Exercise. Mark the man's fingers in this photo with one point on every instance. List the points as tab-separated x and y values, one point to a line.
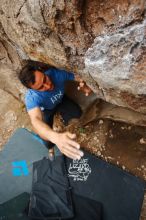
70	135
69	146
72	155
70	140
87	91
81	84
73	144
84	88
73	150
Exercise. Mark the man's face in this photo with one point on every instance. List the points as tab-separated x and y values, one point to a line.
42	82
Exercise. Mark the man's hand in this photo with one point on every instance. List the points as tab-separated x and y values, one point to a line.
65	142
82	86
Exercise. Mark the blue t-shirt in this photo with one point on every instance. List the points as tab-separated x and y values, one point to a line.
48	99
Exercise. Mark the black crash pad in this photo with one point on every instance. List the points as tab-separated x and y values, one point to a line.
14	209
120	193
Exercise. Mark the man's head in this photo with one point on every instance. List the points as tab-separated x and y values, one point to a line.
34	78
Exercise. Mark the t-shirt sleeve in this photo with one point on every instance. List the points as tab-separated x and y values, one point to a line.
63	75
67	75
30	102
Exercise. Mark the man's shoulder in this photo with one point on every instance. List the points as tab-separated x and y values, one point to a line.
32	99
52	71
59	74
30	94
49	70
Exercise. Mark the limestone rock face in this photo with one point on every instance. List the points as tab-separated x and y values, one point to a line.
103	41
12	116
118	63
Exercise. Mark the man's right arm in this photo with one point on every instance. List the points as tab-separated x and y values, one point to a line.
64	141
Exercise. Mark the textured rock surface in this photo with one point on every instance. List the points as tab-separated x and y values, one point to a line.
9	82
102	41
12	116
118	63
12	110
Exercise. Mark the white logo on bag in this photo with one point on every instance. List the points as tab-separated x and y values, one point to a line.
56	97
79	170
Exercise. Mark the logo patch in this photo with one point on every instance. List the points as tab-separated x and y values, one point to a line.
56	97
79	170
19	168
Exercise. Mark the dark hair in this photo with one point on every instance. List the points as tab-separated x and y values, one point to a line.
26	75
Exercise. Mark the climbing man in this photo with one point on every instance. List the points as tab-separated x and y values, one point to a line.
44	97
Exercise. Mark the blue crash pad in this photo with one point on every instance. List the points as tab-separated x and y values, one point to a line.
22	147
